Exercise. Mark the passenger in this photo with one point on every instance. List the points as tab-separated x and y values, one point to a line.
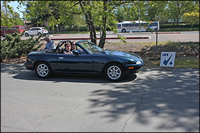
50	44
67	48
73	46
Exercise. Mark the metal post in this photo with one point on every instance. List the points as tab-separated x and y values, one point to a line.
156	37
139	20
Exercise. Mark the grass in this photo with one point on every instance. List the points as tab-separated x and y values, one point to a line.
187	54
187	62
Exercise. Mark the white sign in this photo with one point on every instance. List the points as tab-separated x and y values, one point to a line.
167	59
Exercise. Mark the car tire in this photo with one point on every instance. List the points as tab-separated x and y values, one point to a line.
114	72
123	30
39	34
26	34
43	70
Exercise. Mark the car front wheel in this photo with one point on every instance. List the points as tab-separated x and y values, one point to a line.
114	72
26	34
43	70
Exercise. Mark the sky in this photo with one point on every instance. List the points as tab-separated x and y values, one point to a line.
14	5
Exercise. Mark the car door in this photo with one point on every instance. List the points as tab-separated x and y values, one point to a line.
32	31
75	64
38	30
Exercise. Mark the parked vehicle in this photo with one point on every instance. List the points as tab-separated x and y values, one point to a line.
5	30
129	26
88	59
36	31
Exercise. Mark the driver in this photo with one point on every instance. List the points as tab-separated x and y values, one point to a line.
67	48
50	44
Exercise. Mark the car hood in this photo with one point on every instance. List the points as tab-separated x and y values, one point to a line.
121	53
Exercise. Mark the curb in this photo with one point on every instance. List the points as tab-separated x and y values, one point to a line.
98	38
60	35
168	33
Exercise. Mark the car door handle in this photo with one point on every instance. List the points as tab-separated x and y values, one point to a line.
60	57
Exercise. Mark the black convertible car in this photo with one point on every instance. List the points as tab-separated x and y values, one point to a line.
87	59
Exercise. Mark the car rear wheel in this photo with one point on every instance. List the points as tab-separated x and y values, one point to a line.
114	72
39	34
123	30
43	70
26	34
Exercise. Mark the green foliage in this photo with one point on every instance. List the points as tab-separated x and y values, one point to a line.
9	18
6	15
13	47
192	18
176	9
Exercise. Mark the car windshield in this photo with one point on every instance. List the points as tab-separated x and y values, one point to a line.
91	47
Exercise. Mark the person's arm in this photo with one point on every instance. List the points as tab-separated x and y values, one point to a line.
45	47
53	46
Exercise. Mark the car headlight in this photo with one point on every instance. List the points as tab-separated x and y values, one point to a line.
138	62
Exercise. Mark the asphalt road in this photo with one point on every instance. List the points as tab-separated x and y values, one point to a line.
153	100
164	37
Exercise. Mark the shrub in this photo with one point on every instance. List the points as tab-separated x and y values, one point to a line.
13	47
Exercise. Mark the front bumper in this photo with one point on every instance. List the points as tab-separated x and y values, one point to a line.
133	68
29	65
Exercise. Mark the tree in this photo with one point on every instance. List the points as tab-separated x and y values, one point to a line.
44	12
176	9
100	13
78	21
97	13
16	19
6	15
156	10
191	18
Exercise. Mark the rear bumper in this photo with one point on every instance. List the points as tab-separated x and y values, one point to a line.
29	66
45	33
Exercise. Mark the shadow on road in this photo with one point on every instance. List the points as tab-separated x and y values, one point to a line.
170	96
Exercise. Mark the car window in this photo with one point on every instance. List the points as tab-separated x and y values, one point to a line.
80	50
32	29
91	47
13	28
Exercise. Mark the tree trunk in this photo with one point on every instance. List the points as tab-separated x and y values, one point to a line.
103	36
177	23
191	26
89	22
